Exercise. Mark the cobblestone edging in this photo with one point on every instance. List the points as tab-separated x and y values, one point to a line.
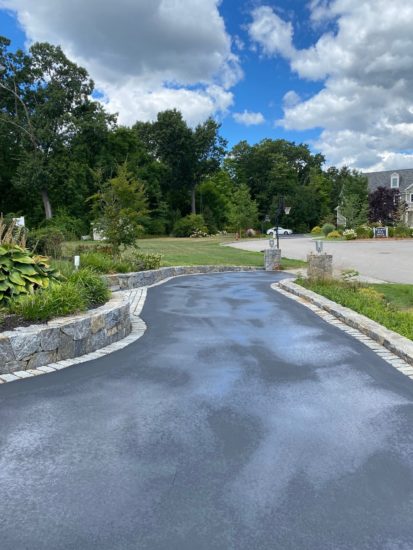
390	346
124	281
64	342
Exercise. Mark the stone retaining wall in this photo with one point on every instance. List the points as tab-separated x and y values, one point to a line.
64	338
125	281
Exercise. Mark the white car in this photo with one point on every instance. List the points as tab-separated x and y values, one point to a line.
281	231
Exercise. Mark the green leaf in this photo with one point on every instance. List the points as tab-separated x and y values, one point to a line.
16	278
25	269
23	259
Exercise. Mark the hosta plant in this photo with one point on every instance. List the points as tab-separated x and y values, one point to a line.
22	273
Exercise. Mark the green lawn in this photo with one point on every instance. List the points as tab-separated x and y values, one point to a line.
391	305
401	296
208	251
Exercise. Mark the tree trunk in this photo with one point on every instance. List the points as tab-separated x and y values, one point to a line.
46	204
193	206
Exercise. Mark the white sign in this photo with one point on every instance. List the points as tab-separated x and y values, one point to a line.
19	221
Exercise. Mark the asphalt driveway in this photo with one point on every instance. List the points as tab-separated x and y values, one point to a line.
239	421
383	259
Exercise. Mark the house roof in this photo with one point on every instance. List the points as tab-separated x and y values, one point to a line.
382	179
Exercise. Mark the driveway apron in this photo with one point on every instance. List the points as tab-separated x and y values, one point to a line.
239	421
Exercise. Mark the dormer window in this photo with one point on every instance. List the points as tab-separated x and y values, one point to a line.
394	181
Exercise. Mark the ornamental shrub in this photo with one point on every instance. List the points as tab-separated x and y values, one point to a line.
55	301
47	241
364	232
402	231
349	234
22	273
92	286
141	261
327	228
334	235
188	225
316	230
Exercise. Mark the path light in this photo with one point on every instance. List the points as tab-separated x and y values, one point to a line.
76	261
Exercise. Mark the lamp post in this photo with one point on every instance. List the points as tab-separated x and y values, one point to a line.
281	209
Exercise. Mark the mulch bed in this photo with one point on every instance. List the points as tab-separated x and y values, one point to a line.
9	322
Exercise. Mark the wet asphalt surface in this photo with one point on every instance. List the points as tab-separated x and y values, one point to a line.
239	421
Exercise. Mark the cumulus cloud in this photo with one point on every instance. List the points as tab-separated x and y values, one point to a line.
144	55
365	108
291	98
248	118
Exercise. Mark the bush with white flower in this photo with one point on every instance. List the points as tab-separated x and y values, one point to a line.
349	234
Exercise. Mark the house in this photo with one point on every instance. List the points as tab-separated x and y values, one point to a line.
395	179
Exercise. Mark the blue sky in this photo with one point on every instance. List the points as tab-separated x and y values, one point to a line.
336	74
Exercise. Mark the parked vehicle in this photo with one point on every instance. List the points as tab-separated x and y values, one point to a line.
281	231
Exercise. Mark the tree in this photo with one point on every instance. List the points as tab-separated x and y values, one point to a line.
45	101
384	205
121	208
354	199
274	168
215	194
243	210
188	155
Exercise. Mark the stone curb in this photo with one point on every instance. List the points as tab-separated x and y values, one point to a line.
99	324
125	281
398	345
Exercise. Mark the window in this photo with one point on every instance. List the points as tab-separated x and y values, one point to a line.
394	181
411	197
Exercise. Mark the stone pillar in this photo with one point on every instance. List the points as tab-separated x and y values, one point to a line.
320	266
272	259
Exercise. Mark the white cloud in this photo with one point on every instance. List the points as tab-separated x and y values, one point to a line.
272	33
248	118
144	55
291	98
365	108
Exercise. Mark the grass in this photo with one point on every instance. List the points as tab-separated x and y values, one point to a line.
207	251
388	304
400	296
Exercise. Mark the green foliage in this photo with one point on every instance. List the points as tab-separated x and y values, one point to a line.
327	228
243	210
141	261
402	231
102	263
93	288
370	304
334	235
22	273
316	230
120	208
56	301
188	225
130	259
349	234
364	232
83	290
71	228
47	241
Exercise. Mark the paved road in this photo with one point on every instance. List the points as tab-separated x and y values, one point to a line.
388	260
240	421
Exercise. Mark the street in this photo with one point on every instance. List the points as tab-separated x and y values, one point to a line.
387	260
239	421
